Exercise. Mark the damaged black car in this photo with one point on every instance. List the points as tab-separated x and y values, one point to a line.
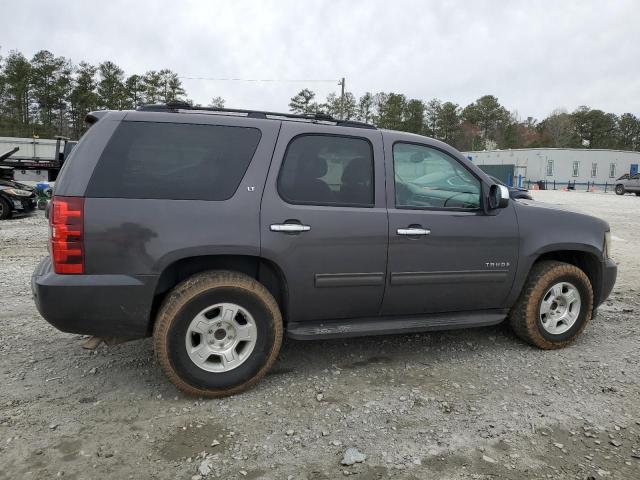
15	198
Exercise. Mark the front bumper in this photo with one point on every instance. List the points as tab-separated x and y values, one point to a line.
23	204
102	305
609	275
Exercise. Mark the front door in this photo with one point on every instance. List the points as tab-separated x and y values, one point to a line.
445	253
324	221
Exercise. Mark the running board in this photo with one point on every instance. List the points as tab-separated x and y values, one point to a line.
360	327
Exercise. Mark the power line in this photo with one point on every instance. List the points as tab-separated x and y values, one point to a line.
269	80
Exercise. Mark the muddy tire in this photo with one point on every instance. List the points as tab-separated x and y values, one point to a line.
217	333
554	306
620	190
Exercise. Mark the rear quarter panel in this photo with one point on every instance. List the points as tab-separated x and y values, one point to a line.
143	236
77	169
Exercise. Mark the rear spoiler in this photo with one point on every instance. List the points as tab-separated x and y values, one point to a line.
93	117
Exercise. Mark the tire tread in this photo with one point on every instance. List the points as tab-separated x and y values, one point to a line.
523	315
187	290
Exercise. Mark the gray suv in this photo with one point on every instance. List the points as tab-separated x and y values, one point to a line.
217	231
628	183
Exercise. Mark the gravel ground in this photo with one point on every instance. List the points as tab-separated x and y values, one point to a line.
460	404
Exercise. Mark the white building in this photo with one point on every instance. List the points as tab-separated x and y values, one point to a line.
562	165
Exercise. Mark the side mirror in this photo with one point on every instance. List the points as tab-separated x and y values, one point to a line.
498	196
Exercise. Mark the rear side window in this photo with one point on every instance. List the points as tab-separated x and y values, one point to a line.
327	170
174	161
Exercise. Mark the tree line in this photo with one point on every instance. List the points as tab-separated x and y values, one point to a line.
483	124
49	95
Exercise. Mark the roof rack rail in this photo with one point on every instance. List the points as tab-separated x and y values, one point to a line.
176	105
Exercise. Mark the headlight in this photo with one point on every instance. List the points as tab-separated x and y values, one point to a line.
607	244
17	192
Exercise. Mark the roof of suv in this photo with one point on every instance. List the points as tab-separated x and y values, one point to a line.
184	107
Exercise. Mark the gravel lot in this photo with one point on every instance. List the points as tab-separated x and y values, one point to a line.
460	404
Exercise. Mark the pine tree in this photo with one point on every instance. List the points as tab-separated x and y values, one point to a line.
83	97
51	84
111	87
303	102
133	91
217	102
171	86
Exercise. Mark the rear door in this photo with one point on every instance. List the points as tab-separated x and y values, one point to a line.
323	220
445	253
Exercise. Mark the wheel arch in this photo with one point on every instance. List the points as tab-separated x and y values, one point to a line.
585	257
265	271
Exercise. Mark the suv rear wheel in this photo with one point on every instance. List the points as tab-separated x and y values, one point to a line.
554	306
217	333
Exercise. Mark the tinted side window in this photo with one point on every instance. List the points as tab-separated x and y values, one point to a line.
327	170
428	178
174	161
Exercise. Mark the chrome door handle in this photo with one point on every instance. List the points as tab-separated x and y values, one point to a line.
412	231
289	227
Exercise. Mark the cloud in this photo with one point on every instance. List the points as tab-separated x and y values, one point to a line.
534	56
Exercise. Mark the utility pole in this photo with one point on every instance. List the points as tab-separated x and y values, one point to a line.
341	83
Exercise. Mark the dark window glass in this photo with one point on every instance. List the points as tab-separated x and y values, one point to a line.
428	178
174	161
327	170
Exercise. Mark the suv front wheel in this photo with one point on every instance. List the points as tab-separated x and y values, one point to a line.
554	306
217	333
620	189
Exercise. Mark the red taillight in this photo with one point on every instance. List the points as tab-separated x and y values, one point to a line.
66	219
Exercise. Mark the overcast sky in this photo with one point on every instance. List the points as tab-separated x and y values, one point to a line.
535	56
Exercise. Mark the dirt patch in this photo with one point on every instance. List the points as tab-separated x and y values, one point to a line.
189	441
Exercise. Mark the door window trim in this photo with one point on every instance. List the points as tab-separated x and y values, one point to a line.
446	209
323	204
